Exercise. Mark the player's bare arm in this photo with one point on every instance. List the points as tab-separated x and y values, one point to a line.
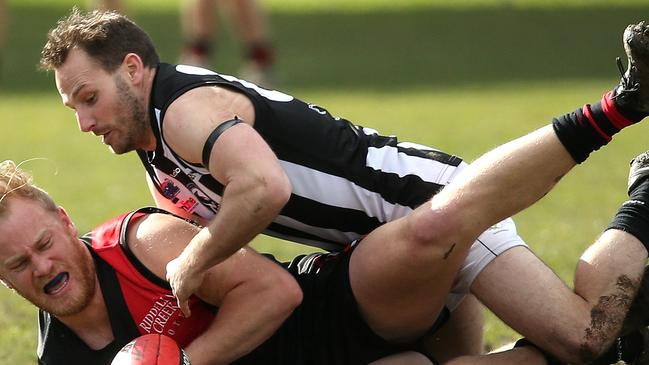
256	187
237	286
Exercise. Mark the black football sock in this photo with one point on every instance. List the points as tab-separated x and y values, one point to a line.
588	128
633	215
201	47
262	54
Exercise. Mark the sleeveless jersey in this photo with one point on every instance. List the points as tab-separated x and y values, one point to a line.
327	328
346	179
138	302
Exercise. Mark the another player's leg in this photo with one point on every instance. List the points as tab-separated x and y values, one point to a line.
576	327
633	217
198	20
461	335
401	272
259	53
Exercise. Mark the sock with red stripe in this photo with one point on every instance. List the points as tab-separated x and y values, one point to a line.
201	47
588	128
262	54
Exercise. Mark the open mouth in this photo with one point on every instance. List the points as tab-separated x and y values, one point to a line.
57	284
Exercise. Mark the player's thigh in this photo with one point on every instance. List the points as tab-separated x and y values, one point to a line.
399	282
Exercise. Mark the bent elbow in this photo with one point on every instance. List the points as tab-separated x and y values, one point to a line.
282	191
277	192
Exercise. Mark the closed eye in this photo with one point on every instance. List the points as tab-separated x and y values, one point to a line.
91	99
44	244
19	266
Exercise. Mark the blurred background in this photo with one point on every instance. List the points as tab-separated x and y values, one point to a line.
460	75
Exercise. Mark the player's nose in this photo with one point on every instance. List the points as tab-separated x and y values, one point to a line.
85	121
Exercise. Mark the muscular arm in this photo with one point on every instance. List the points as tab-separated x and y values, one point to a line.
256	187
254	295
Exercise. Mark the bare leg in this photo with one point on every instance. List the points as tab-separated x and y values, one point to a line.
198	20
419	255
252	25
572	325
506	180
461	335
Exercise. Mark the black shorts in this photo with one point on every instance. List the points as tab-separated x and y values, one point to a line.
327	328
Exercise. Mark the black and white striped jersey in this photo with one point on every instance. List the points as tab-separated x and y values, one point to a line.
347	180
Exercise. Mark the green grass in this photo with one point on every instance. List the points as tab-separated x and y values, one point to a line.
463	76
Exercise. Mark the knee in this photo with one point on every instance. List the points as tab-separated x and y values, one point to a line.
436	230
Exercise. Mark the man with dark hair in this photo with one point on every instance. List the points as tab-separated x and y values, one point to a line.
267	161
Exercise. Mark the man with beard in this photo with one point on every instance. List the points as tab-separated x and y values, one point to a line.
98	292
267	161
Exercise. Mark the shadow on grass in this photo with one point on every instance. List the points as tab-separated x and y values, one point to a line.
379	50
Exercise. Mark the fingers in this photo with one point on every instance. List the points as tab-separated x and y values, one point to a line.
183	284
177	281
184	307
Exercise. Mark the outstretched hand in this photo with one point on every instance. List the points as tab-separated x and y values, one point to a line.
183	281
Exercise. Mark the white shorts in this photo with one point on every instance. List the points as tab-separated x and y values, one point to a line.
491	243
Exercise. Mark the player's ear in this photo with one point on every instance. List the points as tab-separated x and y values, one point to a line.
133	68
65	218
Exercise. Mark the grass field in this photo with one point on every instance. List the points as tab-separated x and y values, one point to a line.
463	76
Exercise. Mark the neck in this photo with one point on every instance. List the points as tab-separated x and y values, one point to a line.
147	88
92	324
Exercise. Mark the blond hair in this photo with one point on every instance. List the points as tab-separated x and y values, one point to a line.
15	182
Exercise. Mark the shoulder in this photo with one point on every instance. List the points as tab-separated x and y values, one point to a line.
191	118
213	103
157	238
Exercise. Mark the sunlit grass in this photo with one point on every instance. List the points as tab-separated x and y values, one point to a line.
422	74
